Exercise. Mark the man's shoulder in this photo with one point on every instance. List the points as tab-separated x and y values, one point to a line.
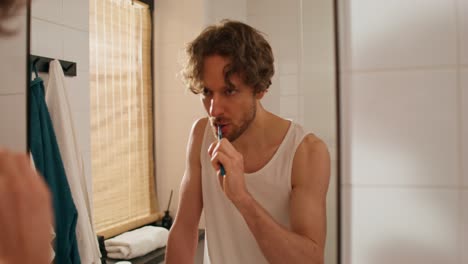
311	144
198	128
196	135
199	134
312	157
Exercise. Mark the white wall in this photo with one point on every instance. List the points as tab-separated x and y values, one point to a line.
13	73
216	10
404	93
60	29
176	22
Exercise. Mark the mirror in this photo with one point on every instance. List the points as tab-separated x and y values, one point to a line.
301	34
13	49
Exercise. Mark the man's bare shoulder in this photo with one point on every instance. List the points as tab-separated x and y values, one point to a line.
313	144
196	138
198	129
311	161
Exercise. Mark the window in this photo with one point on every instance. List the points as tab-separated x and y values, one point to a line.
124	195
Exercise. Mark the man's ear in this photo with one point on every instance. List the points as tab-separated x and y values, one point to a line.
260	95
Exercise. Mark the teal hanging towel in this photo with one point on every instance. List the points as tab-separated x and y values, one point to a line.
47	159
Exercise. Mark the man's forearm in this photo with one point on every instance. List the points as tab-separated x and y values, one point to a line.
278	244
181	246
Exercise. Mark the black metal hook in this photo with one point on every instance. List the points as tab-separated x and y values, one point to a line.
42	65
36	61
69	67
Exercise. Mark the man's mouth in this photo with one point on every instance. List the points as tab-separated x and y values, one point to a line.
224	128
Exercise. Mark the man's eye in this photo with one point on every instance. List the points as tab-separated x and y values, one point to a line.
206	92
231	91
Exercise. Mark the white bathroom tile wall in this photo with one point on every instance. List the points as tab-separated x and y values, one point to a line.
393	113
13	74
301	103
289	45
83	129
169	21
344	32
46	39
464	125
318	44
464	226
333	153
330	245
291	8
267	24
320	104
78	91
50	10
176	23
346	224
404	225
462	9
76	14
289	85
346	120
261	7
404	128
289	106
168	82
227	9
168	63
76	48
400	33
271	100
173	136
13	51
10	82
13	120
193	22
289	63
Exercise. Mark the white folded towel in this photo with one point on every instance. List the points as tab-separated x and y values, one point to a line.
136	243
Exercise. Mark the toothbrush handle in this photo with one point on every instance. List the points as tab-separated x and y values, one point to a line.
220	136
223	172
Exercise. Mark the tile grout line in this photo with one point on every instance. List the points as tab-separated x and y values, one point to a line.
61	24
406	69
406	186
11	94
459	126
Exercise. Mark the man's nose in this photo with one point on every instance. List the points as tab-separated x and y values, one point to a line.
216	106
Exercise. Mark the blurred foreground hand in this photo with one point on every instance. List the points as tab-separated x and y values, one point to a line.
25	212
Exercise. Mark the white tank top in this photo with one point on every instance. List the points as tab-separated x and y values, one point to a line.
227	236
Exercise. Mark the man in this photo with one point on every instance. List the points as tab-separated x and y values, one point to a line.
25	202
270	206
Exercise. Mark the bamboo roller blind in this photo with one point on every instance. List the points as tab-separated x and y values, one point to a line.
121	116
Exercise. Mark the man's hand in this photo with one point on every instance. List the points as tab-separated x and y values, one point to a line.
233	183
25	212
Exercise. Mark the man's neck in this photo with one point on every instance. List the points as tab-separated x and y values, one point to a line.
258	136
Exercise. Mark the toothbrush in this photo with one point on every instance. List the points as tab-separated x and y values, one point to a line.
220	136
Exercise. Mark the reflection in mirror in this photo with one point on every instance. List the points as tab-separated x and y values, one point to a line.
13	47
303	87
91	34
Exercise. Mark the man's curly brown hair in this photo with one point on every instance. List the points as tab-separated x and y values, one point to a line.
249	53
